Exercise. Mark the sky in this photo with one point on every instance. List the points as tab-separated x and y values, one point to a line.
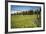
23	8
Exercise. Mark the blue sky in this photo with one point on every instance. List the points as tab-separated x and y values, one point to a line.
24	8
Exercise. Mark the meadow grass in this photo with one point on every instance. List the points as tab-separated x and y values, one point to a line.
23	21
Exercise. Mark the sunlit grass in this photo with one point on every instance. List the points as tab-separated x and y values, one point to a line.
23	21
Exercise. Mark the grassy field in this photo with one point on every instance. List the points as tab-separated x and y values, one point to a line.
23	21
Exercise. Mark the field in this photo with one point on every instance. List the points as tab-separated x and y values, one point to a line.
23	21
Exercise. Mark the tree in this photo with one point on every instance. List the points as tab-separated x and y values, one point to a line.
17	13
23	13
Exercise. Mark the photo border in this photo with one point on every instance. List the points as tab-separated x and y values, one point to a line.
6	16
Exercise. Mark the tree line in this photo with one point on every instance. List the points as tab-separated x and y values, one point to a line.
31	12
